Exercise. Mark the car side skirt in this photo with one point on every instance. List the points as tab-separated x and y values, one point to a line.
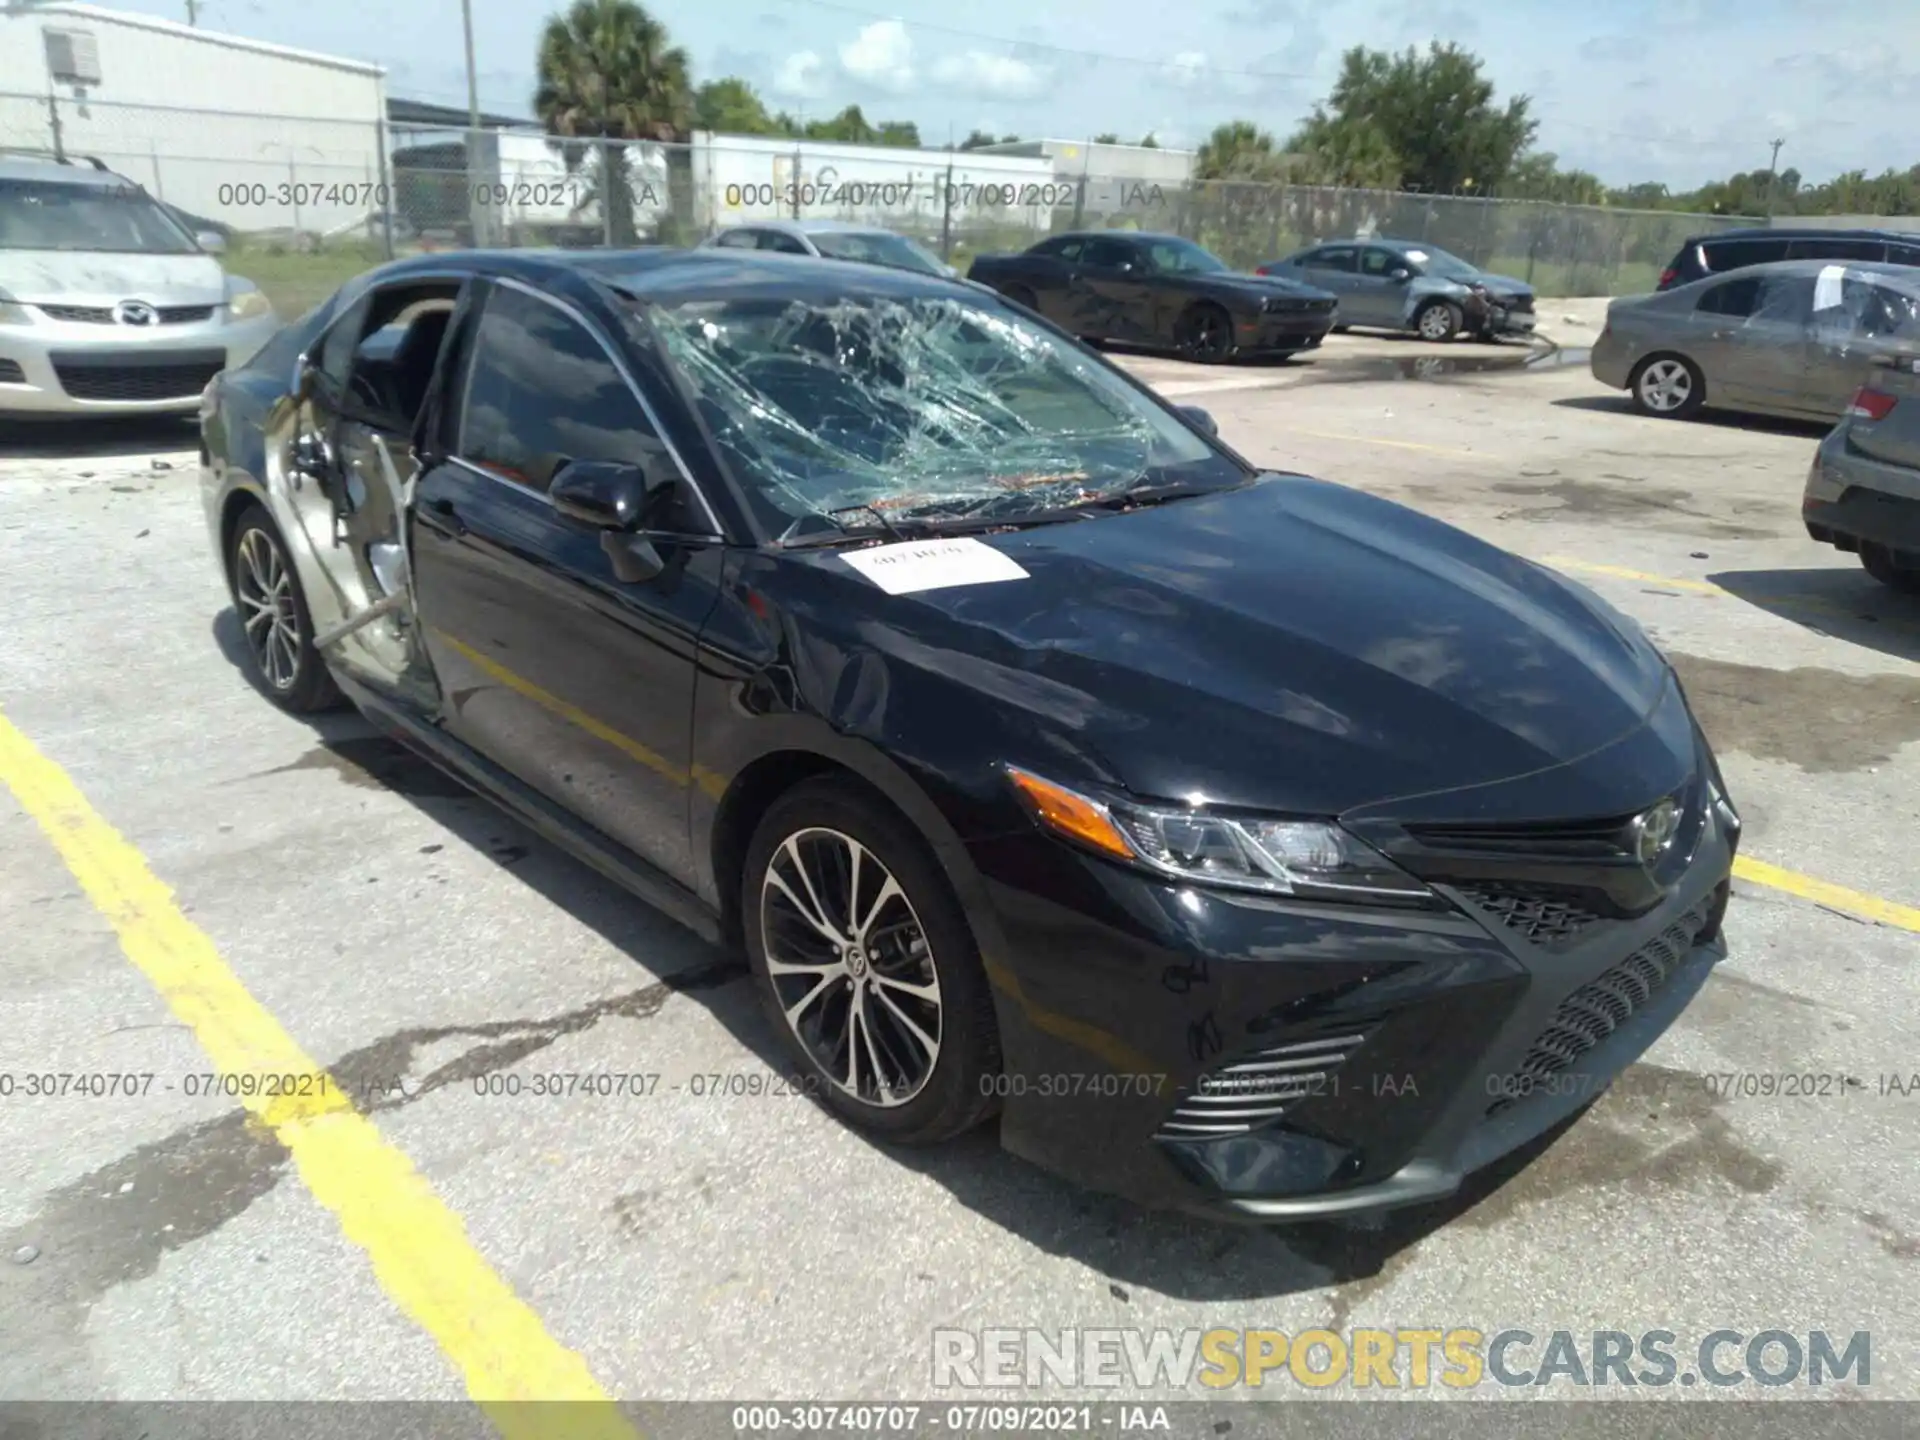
644	881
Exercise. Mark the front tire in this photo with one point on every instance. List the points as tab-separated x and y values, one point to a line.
866	966
1668	386
1438	321
1205	334
274	619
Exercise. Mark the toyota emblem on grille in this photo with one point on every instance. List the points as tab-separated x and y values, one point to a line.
1653	830
136	312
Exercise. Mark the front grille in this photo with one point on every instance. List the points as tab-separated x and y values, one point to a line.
80	314
1257	1090
1535	913
1593	1012
103	315
136	375
11	373
1603	839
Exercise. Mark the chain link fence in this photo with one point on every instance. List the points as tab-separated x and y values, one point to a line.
305	202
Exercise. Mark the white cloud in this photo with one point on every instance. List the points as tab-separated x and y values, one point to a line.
802	77
881	55
1189	67
979	73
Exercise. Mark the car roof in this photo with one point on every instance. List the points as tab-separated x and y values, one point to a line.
1116	235
1802	232
13	167
1811	267
663	272
812	227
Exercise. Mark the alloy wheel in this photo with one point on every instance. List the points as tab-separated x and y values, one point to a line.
1435	323
1209	335
263	584
851	966
1665	386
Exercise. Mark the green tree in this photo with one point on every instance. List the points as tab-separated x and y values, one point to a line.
903	134
1108	138
730	106
978	138
1537	176
607	72
1147	142
1237	150
1434	112
1348	151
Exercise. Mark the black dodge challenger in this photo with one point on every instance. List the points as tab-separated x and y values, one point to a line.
1161	292
1239	842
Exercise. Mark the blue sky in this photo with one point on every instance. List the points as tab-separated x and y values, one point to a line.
1678	91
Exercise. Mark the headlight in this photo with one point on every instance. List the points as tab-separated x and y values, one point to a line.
248	304
12	314
1314	859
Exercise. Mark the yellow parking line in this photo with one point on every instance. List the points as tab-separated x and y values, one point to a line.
1821	892
1620	572
417	1246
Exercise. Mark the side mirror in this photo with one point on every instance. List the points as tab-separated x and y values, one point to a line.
211	241
1399	275
601	493
1200	418
616	499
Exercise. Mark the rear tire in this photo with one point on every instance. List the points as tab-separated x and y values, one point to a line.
1437	321
1668	386
1885	566
886	942
274	621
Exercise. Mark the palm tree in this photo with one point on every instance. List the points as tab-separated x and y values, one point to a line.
607	72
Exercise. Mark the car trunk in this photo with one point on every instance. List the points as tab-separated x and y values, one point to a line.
1883	422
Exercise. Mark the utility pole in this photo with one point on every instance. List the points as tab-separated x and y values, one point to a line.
476	211
1773	175
193	12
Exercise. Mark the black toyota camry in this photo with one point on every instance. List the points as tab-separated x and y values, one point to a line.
1234	840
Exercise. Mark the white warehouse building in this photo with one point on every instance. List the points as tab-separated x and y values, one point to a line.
255	136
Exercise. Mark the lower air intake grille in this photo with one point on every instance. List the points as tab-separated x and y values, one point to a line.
1593	1012
1259	1088
124	375
1541	918
11	373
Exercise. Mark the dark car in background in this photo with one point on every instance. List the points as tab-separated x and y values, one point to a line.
1407	286
1703	255
1160	292
1251	844
1863	492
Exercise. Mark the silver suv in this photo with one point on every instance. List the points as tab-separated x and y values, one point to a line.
108	304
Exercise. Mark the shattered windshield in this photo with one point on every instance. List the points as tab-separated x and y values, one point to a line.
1439	262
919	407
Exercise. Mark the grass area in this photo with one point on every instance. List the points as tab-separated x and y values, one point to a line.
296	282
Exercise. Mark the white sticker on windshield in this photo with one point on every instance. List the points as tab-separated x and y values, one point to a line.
1826	289
933	565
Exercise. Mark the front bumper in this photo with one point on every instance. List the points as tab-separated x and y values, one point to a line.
69	368
1504	321
1280	330
1265	1060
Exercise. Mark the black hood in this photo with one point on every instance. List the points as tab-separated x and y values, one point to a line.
1259	285
1290	645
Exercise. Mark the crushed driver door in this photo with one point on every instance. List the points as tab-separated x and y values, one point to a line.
346	470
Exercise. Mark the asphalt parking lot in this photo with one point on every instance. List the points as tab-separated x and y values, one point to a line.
359	910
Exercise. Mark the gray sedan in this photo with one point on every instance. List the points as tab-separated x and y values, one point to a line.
1403	285
834	239
1796	338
